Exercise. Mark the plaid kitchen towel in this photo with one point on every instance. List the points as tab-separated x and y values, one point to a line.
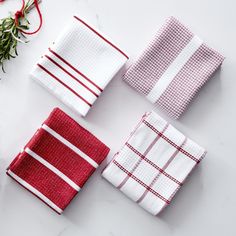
58	160
174	66
79	65
153	163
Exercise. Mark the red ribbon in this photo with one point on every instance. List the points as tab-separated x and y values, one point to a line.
20	14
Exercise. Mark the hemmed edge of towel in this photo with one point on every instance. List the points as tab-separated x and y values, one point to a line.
34	191
58	97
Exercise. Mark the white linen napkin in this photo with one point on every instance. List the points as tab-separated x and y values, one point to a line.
153	163
79	65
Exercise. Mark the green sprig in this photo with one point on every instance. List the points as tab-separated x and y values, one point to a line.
11	33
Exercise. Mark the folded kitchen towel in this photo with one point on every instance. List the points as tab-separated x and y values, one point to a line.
58	160
174	66
79	65
153	163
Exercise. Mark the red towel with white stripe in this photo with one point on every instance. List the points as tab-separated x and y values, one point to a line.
79	65
58	160
174	66
153	163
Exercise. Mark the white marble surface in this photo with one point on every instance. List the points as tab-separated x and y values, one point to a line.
206	205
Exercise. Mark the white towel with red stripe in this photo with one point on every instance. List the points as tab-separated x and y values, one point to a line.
173	67
58	160
79	65
153	163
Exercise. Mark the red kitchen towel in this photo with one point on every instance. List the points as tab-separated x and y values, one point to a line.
153	163
173	68
58	160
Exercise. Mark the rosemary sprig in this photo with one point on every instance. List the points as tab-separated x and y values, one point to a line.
11	33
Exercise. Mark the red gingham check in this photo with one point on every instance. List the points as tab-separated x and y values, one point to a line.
79	65
153	163
172	69
58	160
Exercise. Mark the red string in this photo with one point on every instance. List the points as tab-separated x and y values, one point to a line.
20	14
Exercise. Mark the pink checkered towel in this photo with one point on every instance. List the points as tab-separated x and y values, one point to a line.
174	66
153	163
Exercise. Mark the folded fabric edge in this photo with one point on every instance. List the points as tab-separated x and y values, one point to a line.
83	114
187	104
164	206
130	135
188	28
34	191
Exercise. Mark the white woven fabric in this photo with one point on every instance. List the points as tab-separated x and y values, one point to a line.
79	65
153	163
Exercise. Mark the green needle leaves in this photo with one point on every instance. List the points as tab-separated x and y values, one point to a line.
11	33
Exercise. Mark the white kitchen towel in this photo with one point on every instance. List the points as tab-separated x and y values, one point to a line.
79	65
153	163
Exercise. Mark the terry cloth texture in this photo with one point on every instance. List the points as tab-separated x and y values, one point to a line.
173	68
58	160
79	65
153	163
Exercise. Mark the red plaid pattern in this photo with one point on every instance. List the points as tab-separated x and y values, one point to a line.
153	163
172	69
79	65
58	160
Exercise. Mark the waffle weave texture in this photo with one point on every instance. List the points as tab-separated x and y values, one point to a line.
153	164
58	160
79	65
173	68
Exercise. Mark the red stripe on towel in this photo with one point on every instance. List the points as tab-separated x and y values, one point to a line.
141	182
159	174
72	76
33	193
143	157
119	50
77	135
76	70
172	143
161	170
69	163
65	85
44	180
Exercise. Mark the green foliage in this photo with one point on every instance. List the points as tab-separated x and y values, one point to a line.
11	34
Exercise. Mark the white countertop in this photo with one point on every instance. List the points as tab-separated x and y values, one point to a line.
206	204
